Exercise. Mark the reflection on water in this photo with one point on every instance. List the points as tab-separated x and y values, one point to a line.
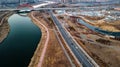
18	48
98	29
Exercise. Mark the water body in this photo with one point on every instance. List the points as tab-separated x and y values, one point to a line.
19	46
96	29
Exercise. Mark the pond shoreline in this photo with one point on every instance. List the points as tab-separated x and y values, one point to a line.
5	28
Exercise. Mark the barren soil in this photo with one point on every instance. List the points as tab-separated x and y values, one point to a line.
4	27
104	55
112	26
54	56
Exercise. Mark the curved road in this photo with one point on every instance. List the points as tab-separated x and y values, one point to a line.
46	43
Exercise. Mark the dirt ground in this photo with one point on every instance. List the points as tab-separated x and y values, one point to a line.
54	56
112	26
37	53
105	55
4	28
110	57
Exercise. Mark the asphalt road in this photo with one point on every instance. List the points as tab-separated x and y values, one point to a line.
82	58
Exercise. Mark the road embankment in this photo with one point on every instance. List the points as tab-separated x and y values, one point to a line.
35	59
54	53
4	26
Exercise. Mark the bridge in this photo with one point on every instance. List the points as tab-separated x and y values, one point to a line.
37	9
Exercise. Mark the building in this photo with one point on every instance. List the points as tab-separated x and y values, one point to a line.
63	1
15	1
87	0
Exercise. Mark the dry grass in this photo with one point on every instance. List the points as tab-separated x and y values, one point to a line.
105	56
4	28
54	56
37	54
112	26
109	26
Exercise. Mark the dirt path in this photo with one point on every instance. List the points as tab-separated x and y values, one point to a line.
46	43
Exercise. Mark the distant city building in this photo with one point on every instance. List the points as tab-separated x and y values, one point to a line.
118	1
63	1
15	1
